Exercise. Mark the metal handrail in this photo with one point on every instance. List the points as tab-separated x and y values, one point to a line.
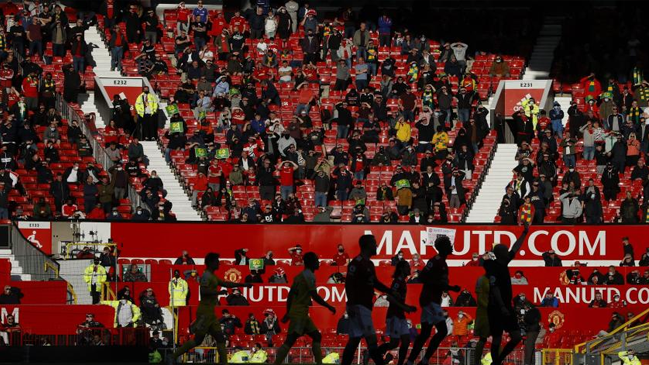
623	328
73	293
32	260
98	151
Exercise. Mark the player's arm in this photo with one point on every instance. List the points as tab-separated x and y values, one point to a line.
399	303
519	242
318	299
231	284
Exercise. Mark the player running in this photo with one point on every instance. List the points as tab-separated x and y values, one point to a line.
206	320
396	323
435	281
297	310
500	309
481	328
359	286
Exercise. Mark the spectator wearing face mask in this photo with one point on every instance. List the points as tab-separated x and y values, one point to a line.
296	255
475	261
127	314
519	278
397	258
465	299
617	303
268	259
461	324
270	325
95	276
236	298
341	258
629	357
184	259
178	290
278	277
550	301
240	257
551	259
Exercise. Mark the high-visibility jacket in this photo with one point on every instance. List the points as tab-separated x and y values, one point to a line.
486	360
151	100
117	304
101	275
332	358
155	357
240	357
259	357
178	290
531	111
628	360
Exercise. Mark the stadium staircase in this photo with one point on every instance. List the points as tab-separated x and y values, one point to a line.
16	270
543	53
101	55
487	203
182	206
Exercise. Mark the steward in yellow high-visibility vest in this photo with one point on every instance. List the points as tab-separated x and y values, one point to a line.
178	290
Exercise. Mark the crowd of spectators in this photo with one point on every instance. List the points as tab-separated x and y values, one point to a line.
279	99
592	172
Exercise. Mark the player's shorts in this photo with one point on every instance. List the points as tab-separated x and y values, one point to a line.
205	324
396	327
301	325
432	314
360	321
499	323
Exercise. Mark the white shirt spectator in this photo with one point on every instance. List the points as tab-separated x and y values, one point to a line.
459	49
287	76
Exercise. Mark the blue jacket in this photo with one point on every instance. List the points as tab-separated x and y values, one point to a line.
385	25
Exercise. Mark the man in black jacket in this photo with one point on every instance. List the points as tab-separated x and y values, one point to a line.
266	180
60	191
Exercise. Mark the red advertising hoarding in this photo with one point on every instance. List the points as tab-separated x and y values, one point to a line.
571	243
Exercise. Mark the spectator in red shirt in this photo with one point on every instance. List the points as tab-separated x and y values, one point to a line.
183	13
69	208
215	175
475	260
591	86
341	258
218	24
286	173
79	49
199	186
35	36
97	213
30	91
296	255
238	22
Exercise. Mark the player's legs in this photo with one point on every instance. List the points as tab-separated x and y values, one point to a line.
283	350
426	329
403	350
441	332
219	337
496	340
515	339
373	349
316	348
389	346
350	350
197	340
479	347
